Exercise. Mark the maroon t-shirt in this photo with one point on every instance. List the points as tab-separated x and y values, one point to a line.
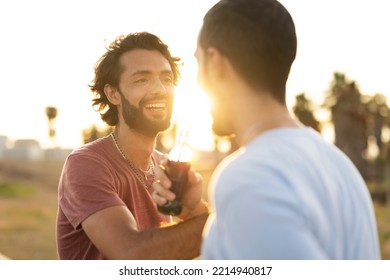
95	177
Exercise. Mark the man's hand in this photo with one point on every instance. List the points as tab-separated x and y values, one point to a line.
191	199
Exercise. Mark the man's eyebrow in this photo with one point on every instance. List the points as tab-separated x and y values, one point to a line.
148	72
140	72
167	72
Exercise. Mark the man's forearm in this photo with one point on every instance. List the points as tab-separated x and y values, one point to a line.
179	241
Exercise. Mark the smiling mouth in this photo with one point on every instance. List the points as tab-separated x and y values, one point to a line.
156	106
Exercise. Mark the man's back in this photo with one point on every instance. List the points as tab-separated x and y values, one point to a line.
291	195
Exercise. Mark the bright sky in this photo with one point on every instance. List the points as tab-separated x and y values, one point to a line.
48	50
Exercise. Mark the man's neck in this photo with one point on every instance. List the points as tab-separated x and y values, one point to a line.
260	115
258	111
136	146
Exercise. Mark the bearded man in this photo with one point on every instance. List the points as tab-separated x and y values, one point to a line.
105	208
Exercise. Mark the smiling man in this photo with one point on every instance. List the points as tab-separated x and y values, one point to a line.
105	208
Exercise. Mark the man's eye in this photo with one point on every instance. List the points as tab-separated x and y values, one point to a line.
142	80
168	80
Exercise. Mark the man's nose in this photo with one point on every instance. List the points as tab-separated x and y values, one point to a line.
158	87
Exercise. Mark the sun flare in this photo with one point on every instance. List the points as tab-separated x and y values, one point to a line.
192	113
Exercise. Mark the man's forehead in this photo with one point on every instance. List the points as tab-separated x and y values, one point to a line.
145	60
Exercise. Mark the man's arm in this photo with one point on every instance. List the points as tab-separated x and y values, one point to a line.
114	232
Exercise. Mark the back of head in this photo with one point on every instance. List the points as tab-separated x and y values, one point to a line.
258	37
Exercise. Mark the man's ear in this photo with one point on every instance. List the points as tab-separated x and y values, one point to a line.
216	63
112	94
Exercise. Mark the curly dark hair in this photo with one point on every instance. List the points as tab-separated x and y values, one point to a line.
108	69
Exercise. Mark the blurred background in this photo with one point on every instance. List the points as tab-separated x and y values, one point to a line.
339	85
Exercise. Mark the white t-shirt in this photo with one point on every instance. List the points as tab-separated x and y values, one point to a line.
290	195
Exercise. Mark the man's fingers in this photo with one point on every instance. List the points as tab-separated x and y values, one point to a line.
194	178
162	192
161	177
158	199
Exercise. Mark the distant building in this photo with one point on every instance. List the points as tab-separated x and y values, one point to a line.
57	153
3	145
26	149
29	149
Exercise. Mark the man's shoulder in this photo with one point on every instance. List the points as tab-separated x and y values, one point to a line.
94	147
92	158
96	150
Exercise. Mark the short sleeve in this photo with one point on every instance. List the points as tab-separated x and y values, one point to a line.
86	186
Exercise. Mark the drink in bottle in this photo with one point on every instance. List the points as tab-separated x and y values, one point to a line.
177	170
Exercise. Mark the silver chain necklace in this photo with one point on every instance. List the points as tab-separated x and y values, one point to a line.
140	174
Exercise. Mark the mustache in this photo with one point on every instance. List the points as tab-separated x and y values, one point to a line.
155	98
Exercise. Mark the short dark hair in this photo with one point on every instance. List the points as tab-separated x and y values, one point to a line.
108	69
258	37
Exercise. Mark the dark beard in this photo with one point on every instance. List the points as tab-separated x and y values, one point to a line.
136	120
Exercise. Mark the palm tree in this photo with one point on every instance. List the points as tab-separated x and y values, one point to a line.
303	110
51	113
380	114
350	119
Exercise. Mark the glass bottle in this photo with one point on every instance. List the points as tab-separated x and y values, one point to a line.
179	162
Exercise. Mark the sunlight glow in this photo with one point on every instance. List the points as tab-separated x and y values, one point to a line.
59	60
192	113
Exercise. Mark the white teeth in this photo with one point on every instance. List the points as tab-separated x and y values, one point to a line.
156	106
